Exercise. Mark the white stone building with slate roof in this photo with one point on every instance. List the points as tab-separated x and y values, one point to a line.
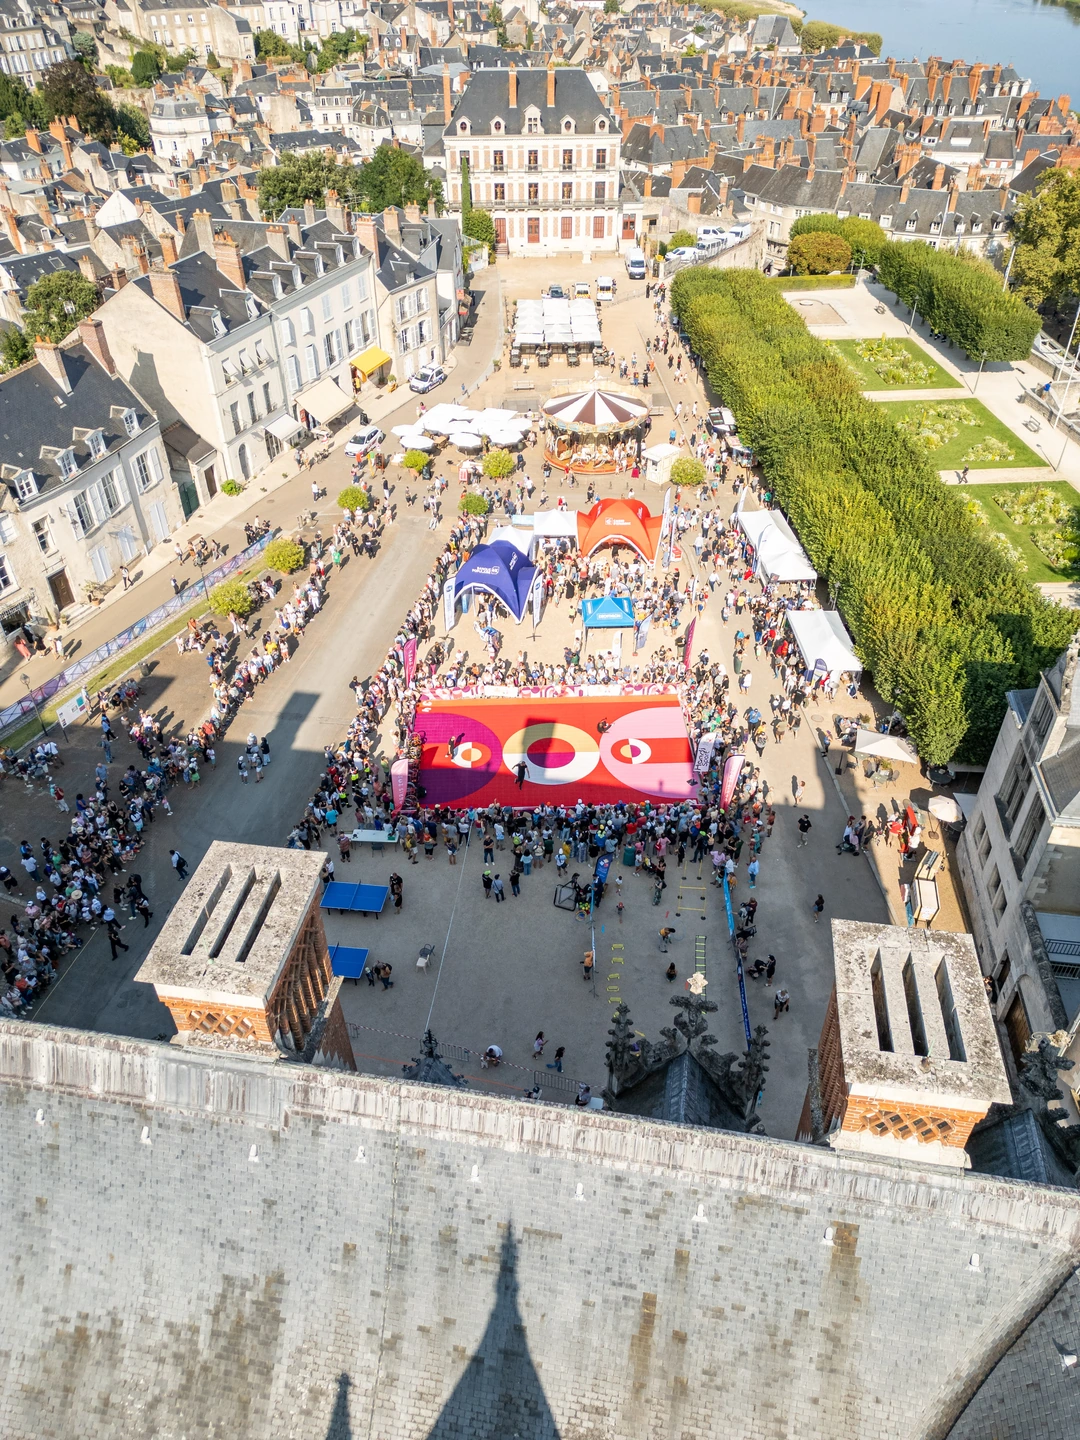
544	154
85	478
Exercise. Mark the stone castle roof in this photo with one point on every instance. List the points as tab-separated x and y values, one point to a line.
238	1248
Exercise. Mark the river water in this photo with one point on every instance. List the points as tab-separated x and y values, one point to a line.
1039	40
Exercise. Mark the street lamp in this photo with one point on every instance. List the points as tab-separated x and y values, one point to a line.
30	691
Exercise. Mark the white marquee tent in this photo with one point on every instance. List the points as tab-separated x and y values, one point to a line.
778	556
820	635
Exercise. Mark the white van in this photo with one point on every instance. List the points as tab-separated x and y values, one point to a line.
708	246
635	264
605	288
708	233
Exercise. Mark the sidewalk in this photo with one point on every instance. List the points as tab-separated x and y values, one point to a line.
278	494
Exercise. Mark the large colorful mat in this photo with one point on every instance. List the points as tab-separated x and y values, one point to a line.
639	752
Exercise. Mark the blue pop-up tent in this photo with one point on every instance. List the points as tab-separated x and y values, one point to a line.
609	612
503	571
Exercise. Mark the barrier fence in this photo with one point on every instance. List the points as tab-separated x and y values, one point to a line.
79	669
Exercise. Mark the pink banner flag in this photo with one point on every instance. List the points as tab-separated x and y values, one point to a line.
732	770
399	781
688	648
408	657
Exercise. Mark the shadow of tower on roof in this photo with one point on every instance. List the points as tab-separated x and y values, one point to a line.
499	1397
340	1427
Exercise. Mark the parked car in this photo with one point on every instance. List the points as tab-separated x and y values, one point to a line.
426	378
582	290
364	441
720	421
683	252
556	292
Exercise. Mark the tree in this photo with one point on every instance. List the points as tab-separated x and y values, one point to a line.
339	45
133	125
353	497
269	45
611	7
687	471
85	47
498	464
473	504
67	89
56	303
811	224
284	555
415	460
866	238
231	595
819	35
145	67
479	225
20	108
15	348
394	177
1047	230
682	238
818	253
297	178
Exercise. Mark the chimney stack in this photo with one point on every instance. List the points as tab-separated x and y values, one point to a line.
204	231
309	212
512	83
165	288
392	224
550	86
367	232
447	102
86	268
228	260
278	241
7	217
33	139
185	187
92	334
51	359
908	1062
168	250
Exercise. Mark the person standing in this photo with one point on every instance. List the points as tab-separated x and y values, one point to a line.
497	889
805	827
397	890
242	768
556	1064
770	969
781	1003
115	943
179	864
142	907
752	871
538	1044
800	786
487	882
817	908
345	848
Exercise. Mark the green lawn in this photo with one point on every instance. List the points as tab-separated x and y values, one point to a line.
873	379
1035	563
950	440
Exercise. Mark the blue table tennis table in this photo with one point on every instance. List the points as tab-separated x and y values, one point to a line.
348	962
341	895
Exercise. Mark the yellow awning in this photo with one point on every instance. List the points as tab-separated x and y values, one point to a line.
370	360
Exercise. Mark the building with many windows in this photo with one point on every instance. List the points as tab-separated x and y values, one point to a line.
28	46
1020	864
85	477
541	153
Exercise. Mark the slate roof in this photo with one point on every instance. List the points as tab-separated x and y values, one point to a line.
488	96
36	413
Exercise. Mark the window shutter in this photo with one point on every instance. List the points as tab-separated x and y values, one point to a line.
155	465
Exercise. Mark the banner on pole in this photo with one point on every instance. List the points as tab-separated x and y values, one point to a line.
688	648
641	633
399	781
537	599
705	750
448	605
732	770
408	659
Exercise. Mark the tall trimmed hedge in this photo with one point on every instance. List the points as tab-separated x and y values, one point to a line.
945	622
962	298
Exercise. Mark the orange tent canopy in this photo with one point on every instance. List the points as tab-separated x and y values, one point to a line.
620	522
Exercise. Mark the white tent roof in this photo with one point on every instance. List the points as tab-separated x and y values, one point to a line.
555	522
779	556
820	635
520	539
888	747
444	417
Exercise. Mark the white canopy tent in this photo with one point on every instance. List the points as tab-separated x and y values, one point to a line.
820	635
777	553
444	417
552	524
521	539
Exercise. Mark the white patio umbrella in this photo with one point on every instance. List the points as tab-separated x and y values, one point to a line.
404	430
465	440
417	440
945	808
505	437
885	747
442	418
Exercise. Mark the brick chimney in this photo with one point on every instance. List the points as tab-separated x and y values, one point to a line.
51	359
92	334
550	86
168	250
511	81
908	1062
86	268
135	258
33	139
228	260
185	187
11	229
447	99
335	211
412	213
367	232
165	288
938	181
391	219
740	128
278	242
905	194
954	190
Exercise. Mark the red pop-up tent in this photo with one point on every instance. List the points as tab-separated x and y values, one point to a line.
620	522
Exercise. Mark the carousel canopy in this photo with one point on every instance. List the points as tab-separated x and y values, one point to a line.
620	522
503	571
595	410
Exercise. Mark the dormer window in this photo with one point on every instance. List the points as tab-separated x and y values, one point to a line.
568	127
463	127
218	323
26	486
496	127
601	125
96	441
131	422
911	224
67	464
532	124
